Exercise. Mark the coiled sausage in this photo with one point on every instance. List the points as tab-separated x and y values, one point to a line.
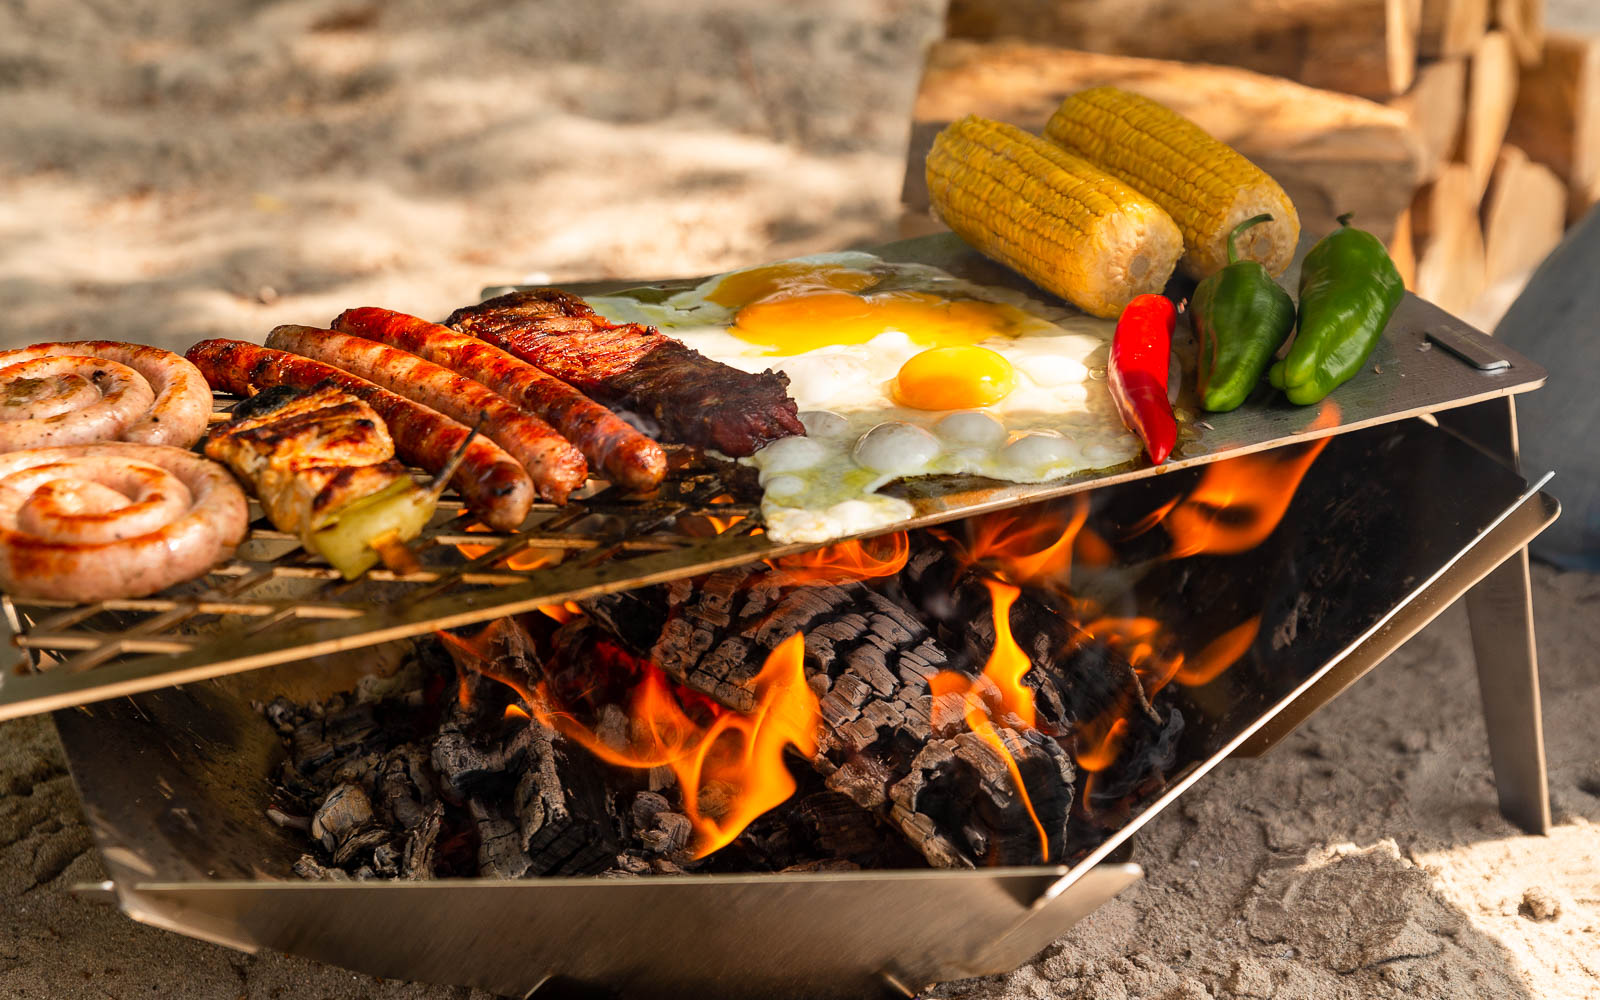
99	521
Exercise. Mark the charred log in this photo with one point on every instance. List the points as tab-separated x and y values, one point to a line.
869	659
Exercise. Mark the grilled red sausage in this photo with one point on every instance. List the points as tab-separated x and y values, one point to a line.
612	444
492	483
556	467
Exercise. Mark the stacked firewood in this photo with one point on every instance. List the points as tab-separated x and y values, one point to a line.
1460	131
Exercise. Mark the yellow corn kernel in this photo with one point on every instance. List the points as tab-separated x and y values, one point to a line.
1204	184
1069	227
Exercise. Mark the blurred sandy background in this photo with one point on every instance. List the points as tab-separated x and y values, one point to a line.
171	171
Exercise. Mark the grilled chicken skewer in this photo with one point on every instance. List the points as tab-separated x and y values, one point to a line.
493	484
322	464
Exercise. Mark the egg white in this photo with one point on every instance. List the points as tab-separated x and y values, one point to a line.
1059	418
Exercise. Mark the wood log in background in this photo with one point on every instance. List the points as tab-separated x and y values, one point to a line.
1523	216
1434	106
1450	256
1491	94
1366	47
1557	116
1523	23
1451	27
1332	153
1403	250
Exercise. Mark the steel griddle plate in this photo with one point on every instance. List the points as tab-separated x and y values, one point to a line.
273	605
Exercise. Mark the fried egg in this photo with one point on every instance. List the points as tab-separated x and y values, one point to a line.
899	370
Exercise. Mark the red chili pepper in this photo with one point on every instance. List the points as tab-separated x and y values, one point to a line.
1141	351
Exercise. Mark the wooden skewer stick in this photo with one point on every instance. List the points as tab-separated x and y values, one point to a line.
437	487
396	555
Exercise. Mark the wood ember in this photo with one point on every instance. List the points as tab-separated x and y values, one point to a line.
869	657
458	783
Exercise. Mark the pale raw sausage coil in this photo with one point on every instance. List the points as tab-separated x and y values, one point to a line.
79	392
101	521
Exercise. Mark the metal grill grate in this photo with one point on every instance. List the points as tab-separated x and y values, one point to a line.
704	513
273	603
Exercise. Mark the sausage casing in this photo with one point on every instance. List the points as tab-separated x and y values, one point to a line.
491	482
68	532
556	467
612	444
182	401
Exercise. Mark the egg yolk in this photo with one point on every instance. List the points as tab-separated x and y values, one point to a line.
792	308
953	378
788	277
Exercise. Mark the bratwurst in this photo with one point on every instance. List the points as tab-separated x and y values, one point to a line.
79	391
611	443
556	467
493	485
100	521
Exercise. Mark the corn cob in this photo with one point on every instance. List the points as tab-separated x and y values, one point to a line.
1204	184
1071	228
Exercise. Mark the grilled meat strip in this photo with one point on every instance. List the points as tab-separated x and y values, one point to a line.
556	467
307	453
492	483
630	367
315	458
611	443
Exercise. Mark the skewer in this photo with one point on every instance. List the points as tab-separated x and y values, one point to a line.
437	487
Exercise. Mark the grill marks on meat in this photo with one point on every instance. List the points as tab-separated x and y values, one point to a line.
556	467
692	398
491	482
628	457
308	454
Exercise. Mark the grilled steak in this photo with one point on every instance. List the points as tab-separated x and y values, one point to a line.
693	399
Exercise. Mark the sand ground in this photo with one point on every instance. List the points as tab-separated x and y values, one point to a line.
171	171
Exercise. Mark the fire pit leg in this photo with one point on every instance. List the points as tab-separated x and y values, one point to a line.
1500	609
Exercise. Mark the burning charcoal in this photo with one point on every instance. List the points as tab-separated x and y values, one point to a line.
317	742
467	768
872	659
564	823
644	809
960	801
824	865
402	786
500	853
357	843
307	867
838	826
417	860
345	810
284	715
669	835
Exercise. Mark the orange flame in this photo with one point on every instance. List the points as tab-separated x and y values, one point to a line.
562	613
738	755
998	693
884	555
1220	654
1029	549
524	559
1238	502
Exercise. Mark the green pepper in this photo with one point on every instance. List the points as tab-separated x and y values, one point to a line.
1348	290
1241	317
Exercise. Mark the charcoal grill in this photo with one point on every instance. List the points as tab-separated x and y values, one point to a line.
187	847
